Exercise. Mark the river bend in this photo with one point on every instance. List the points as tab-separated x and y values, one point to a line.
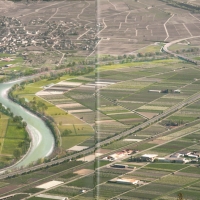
43	142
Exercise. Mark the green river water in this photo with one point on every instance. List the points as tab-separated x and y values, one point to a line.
43	142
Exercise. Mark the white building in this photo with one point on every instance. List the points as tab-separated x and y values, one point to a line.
128	181
149	157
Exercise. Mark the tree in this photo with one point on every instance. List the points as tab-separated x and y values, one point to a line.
140	55
24	124
180	196
17	119
17	153
60	123
41	106
66	132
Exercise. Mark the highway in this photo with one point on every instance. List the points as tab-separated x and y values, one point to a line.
90	150
171	110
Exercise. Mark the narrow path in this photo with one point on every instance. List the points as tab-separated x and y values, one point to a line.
2	143
162	176
139	153
57	9
39	9
83	34
194	16
78	16
105	26
112	5
166	27
126	18
187	29
112	198
166	46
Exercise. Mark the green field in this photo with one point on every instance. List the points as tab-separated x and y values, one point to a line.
11	138
80	131
165	166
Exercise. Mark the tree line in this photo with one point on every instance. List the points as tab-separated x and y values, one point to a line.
186	6
21	124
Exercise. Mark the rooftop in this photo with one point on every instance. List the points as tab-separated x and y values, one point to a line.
149	155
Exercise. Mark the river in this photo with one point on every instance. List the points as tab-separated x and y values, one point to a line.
42	140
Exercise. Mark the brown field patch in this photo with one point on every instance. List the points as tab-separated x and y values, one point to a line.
148	114
103	151
83	172
8	188
157	141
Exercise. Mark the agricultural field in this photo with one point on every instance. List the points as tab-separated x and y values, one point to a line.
135	85
69	100
10	140
131	26
150	175
123	104
149	91
73	127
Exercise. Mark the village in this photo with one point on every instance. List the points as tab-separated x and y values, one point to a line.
55	35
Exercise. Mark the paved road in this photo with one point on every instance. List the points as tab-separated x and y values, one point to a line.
165	48
107	141
169	111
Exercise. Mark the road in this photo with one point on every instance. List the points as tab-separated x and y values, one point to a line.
39	9
166	27
165	48
169	111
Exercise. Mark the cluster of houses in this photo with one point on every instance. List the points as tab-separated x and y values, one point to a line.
178	157
118	155
166	91
16	35
6	59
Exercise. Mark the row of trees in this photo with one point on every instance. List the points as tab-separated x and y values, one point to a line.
130	57
141	59
52	75
186	6
35	106
21	124
193	50
173	122
17	119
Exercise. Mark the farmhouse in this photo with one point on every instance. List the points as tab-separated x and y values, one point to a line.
181	157
189	154
192	156
161	159
118	155
178	160
125	181
149	157
159	91
177	91
185	153
176	155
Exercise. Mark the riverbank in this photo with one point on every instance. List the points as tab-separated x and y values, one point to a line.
69	128
41	136
14	138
